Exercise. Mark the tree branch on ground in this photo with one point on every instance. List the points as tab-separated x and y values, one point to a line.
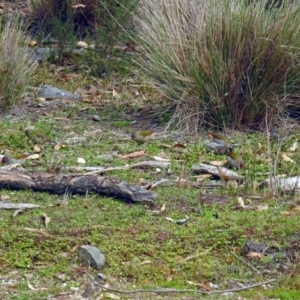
75	184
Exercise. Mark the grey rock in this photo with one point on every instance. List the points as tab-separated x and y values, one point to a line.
96	118
52	103
215	147
100	277
219	142
254	247
278	138
91	256
182	221
50	92
228	294
39	54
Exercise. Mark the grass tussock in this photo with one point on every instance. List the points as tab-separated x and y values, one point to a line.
222	63
15	67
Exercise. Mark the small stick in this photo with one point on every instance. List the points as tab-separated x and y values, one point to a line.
244	287
150	164
167	290
246	263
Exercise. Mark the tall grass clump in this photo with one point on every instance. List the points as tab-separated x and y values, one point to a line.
222	63
16	69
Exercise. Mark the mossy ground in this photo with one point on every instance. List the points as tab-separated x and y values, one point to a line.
143	249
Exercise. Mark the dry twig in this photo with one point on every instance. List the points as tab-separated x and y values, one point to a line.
169	290
246	263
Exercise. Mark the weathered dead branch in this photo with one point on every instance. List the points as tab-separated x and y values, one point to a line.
74	184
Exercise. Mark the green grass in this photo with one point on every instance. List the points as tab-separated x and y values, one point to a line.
142	249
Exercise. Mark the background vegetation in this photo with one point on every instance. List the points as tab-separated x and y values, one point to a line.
16	69
222	63
103	24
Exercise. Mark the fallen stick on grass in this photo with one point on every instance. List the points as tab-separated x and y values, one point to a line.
171	290
142	164
75	184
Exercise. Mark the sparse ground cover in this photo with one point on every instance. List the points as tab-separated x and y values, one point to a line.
217	249
144	249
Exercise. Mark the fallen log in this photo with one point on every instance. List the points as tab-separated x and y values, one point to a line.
75	184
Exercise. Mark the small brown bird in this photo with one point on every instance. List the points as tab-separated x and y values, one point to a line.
142	136
219	138
234	160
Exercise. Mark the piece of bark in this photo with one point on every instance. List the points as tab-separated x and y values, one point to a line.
142	164
283	184
75	184
13	205
222	172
